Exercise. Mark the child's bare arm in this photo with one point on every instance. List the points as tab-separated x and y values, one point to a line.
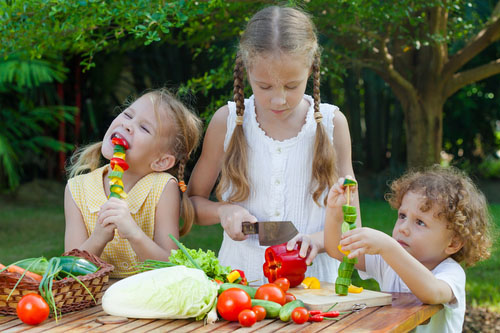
416	276
334	219
203	179
166	222
342	142
76	235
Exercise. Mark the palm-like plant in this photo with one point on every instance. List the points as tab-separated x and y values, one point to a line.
25	113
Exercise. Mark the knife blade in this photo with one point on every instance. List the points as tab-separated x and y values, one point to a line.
270	232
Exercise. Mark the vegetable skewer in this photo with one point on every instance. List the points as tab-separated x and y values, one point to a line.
118	166
346	267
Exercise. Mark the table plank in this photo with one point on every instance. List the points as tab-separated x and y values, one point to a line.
405	313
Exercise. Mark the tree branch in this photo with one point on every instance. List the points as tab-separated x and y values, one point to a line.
478	43
393	74
464	78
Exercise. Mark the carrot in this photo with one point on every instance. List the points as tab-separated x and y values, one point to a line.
19	270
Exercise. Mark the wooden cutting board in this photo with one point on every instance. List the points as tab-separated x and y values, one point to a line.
322	299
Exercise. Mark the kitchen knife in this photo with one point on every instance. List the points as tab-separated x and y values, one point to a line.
270	232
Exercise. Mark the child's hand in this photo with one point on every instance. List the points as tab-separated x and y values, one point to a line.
308	249
116	212
336	196
231	217
103	234
363	241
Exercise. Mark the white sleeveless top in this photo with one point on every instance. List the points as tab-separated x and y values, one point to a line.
280	190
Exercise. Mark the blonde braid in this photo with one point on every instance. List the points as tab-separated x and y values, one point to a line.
234	168
324	171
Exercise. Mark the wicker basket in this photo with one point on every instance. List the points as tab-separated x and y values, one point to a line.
69	295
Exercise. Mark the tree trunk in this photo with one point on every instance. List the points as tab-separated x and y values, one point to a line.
424	131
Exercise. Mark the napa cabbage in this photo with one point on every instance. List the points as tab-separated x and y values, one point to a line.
166	293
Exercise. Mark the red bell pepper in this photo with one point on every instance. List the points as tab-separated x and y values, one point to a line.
120	162
120	141
282	263
243	280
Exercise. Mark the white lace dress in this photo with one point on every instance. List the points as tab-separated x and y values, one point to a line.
280	176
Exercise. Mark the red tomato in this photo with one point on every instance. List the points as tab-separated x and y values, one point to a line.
32	309
271	292
283	283
247	318
289	297
231	302
300	315
260	312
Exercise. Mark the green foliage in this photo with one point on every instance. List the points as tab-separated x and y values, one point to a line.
40	28
21	74
490	167
24	123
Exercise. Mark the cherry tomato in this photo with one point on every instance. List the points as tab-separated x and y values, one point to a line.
289	297
231	302
300	315
271	292
283	283
260	312
247	318
32	309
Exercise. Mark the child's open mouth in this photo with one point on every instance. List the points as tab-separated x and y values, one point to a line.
118	139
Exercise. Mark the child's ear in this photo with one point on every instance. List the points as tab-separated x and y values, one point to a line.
163	163
455	245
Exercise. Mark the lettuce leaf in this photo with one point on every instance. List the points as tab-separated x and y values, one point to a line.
208	262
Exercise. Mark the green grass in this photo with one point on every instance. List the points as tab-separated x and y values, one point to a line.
32	225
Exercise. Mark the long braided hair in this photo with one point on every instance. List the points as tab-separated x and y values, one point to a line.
291	31
182	141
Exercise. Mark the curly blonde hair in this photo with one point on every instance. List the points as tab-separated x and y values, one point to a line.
458	200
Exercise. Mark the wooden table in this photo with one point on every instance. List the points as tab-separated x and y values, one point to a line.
405	313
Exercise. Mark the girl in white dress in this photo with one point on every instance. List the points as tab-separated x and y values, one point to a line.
277	152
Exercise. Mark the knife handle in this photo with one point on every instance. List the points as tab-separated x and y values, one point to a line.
248	228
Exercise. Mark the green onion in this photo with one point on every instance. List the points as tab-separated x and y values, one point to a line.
184	250
150	264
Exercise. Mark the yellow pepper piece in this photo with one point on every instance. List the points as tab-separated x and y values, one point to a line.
355	290
119	155
311	282
116	181
344	252
233	276
118	168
